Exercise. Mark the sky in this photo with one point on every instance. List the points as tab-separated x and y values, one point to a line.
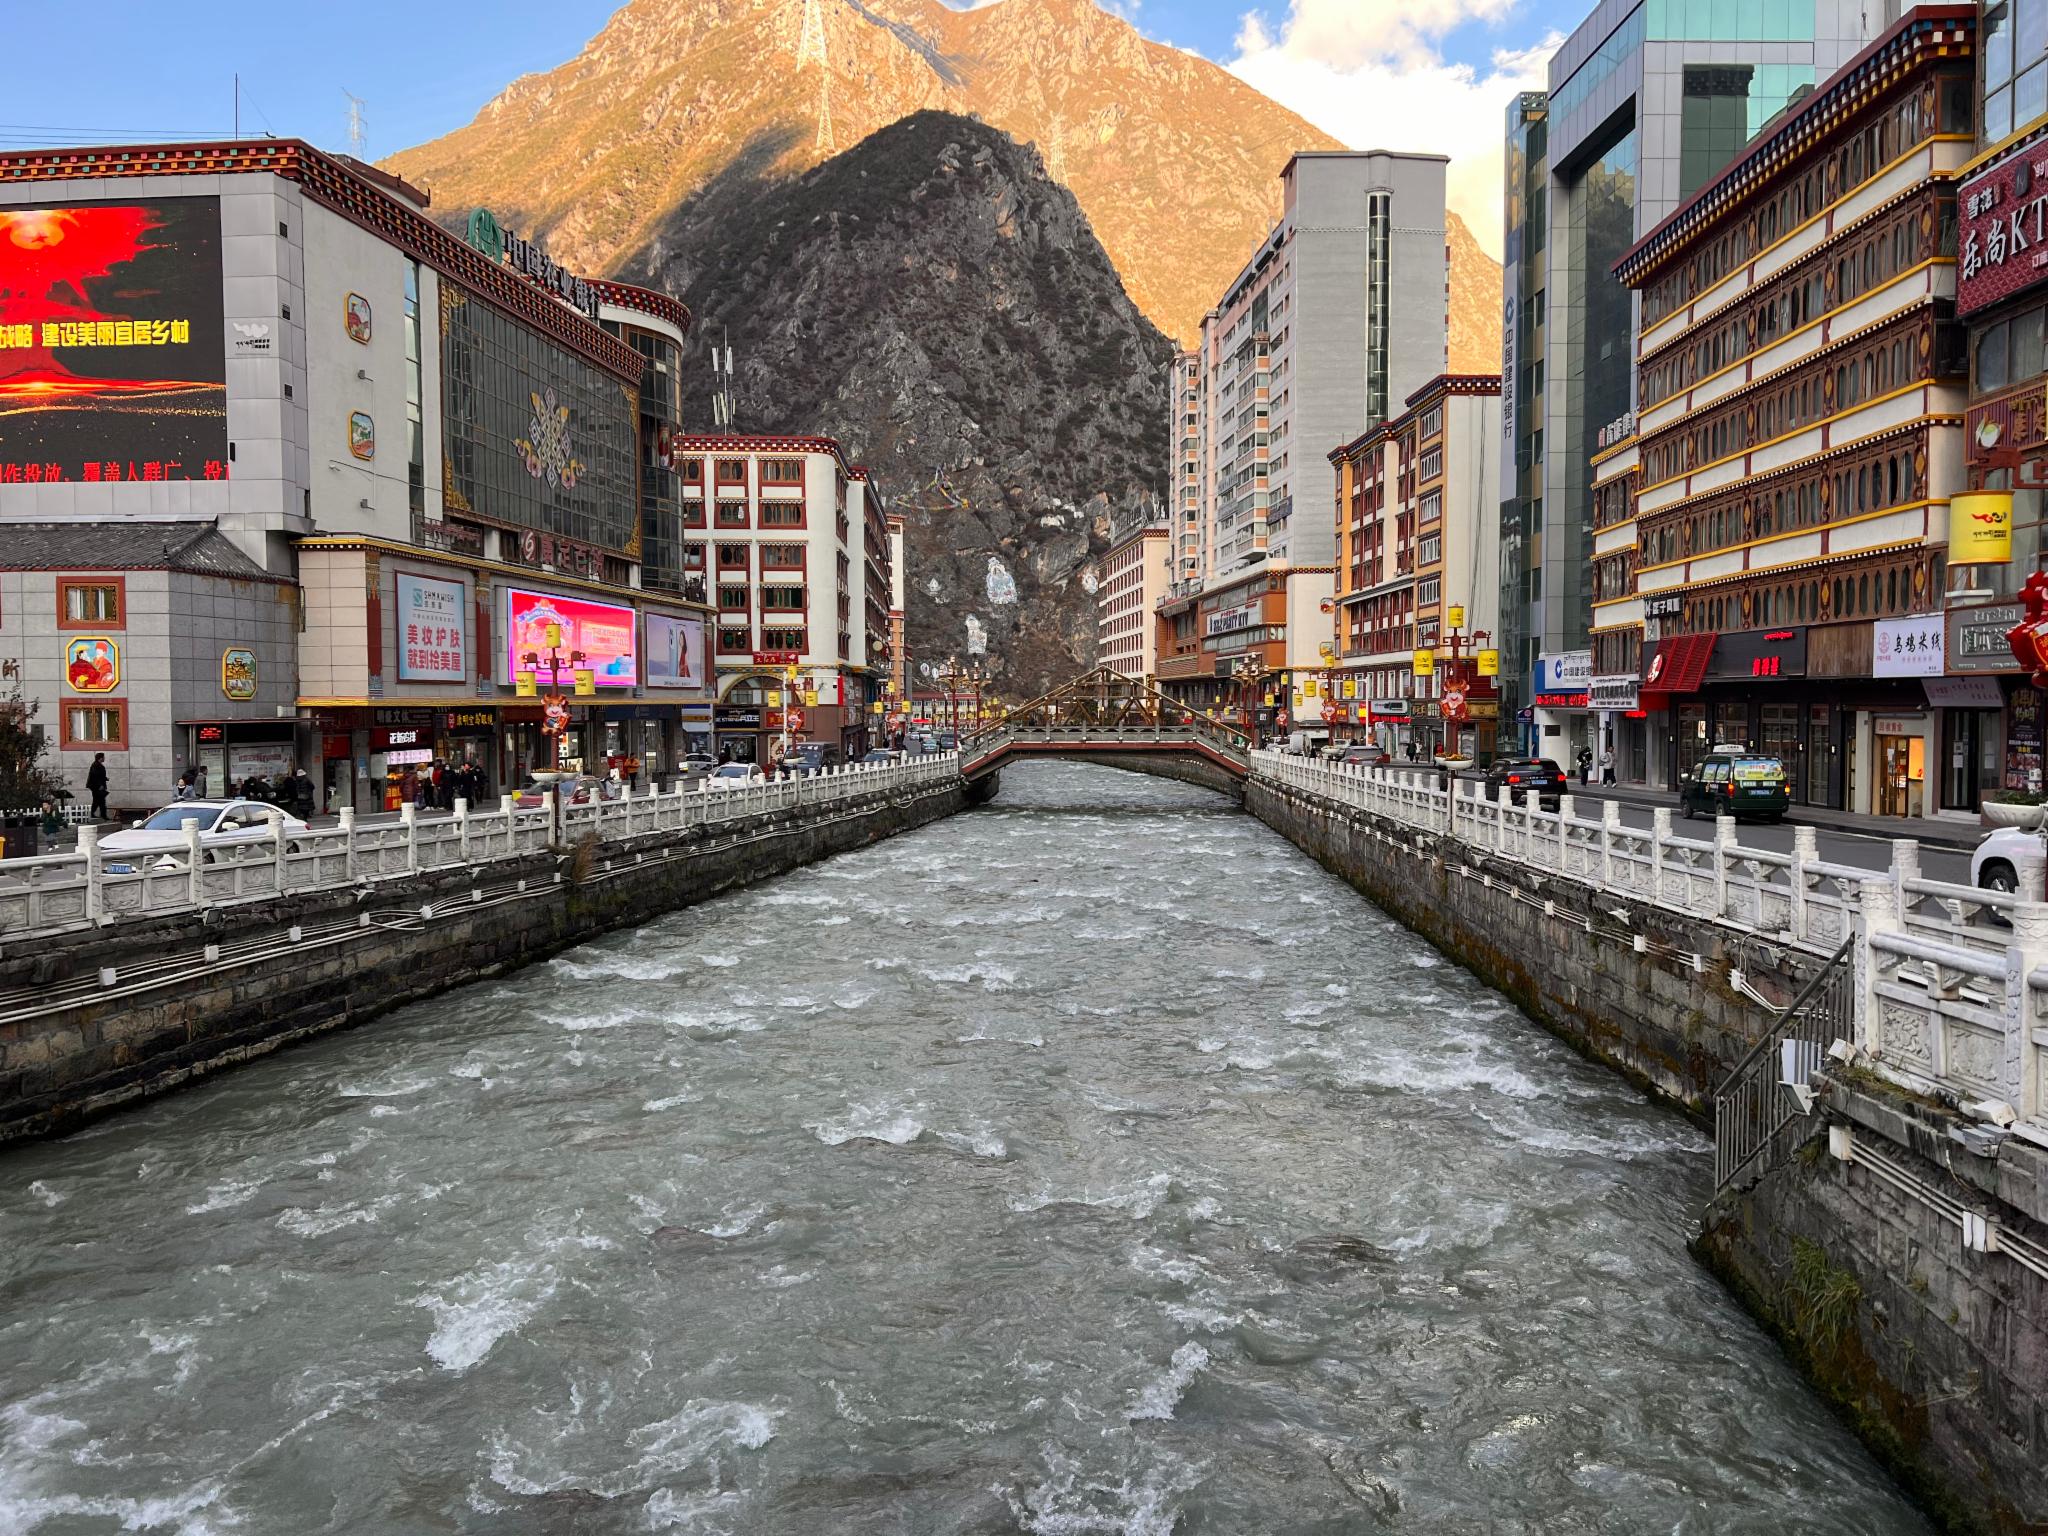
1387	74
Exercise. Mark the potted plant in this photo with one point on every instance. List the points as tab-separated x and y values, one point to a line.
2022	808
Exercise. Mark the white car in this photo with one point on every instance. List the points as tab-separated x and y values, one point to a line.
1996	863
696	762
726	773
161	838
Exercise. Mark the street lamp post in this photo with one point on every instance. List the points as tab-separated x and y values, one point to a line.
1250	673
555	721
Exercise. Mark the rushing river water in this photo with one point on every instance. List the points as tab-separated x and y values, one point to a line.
1091	1163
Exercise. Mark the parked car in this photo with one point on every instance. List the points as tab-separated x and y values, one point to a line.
1733	781
814	756
1520	777
1305	743
727	774
1995	866
1363	754
569	788
696	762
881	755
160	838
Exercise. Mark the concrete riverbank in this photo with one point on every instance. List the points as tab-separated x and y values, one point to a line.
96	1019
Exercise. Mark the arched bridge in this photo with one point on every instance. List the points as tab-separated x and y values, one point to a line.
1105	717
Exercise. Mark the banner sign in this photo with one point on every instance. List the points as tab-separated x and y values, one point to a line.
675	652
1980	528
433	630
2003	239
1908	647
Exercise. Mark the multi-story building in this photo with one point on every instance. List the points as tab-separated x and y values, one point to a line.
1992	715
438	438
898	701
1340	312
1647	100
798	548
1802	379
1130	579
1416	503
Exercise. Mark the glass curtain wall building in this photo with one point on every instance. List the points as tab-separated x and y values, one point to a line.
1648	99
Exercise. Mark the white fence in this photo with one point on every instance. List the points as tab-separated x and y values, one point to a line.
95	887
1952	980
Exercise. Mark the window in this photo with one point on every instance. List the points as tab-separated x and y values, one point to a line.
782	471
96	727
415	439
1428	591
783	514
735	637
693	471
788	599
732	471
97	603
732	598
732	514
783	639
782	557
732	557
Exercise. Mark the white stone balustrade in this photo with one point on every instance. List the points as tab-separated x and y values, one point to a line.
63	892
1952	994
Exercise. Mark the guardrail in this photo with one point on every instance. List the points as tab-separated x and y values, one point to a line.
93	887
1081	733
1951	988
1756	1100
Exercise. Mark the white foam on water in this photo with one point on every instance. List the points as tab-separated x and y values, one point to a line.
655	1106
1139	1200
1161	1397
400	1089
607	1018
1425	960
779	1277
982	1143
591	965
473	1312
839	921
667	1510
892	1123
733	1223
1154	1265
44	1193
1073	1501
660	1451
993	978
720	962
324	1219
1255	973
1209	1045
225	1196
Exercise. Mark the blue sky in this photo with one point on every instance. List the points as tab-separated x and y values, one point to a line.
1402	74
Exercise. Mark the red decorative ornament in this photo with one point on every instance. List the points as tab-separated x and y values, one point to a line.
2029	637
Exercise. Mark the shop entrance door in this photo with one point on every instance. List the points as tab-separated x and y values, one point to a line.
1894	762
1972	754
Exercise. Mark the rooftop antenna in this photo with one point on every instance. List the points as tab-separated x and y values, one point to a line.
356	136
721	390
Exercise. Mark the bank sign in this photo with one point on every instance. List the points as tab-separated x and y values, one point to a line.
2004	234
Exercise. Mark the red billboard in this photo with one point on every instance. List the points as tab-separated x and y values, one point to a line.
604	632
113	363
2003	239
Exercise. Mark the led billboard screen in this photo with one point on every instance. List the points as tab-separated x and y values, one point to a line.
675	652
113	364
603	632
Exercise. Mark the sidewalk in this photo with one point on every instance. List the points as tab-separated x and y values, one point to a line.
1945	834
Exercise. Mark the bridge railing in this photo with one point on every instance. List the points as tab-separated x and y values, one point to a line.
95	887
1083	733
1952	980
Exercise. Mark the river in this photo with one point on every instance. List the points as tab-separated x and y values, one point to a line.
1089	1163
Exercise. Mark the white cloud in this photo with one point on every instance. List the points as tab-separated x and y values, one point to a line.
1373	74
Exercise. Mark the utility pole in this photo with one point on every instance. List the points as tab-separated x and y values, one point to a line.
721	385
357	137
810	49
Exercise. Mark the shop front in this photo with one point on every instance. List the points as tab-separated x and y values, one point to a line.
1563	707
1616	702
1991	716
232	753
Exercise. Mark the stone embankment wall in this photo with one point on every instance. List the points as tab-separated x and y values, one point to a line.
1636	986
1936	1354
194	993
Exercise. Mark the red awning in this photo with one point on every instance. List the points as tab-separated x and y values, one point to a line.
1676	669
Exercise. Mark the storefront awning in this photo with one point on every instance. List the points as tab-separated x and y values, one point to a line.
1676	669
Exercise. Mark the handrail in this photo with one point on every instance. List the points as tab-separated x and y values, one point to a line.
1751	1108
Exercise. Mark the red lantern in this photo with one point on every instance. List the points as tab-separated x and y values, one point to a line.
2029	637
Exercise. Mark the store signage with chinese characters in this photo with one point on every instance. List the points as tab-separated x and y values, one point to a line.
2003	240
433	628
1615	691
1976	638
2015	420
1908	647
1759	655
493	240
1564	672
1563	700
539	549
1227	619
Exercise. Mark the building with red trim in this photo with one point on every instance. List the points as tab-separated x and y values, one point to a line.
436	437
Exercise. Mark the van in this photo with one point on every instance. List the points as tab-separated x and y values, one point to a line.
1306	743
1734	781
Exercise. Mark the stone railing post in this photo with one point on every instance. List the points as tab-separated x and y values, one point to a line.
1880	913
462	826
275	818
552	801
1805	851
1566	809
2018	1084
1610	823
95	893
1905	867
1724	844
195	891
345	820
1660	836
409	818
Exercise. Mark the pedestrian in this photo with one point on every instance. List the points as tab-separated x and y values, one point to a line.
184	789
198	776
1607	765
409	787
302	793
53	824
1411	749
96	785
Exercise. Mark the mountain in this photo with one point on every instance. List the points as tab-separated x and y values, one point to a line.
933	299
1174	160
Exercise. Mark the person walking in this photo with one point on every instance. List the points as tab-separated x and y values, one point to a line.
1607	765
184	789
96	785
